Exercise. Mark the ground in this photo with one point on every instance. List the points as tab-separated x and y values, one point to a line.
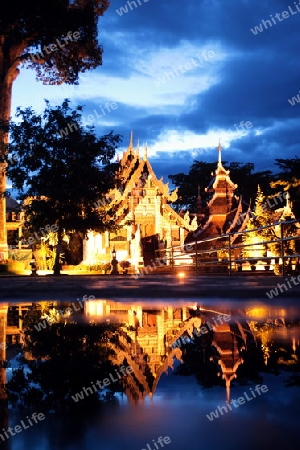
70	288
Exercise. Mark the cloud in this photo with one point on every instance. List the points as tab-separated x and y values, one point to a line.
183	116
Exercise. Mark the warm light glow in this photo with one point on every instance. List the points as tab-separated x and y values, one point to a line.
257	312
43	272
181	275
95	308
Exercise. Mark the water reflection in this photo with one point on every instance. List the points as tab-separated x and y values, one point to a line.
57	353
217	346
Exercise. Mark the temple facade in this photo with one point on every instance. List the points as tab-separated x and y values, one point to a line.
141	207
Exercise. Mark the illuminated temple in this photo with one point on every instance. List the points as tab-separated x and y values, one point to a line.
142	209
144	203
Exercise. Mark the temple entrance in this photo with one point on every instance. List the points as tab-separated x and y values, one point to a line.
149	245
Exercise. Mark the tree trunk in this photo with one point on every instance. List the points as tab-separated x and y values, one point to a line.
3	232
5	105
3	324
8	73
56	268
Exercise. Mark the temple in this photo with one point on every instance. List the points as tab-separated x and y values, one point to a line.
141	207
146	224
227	212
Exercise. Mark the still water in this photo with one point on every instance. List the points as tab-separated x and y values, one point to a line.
173	375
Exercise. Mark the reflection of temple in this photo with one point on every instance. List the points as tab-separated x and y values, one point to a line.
150	332
141	207
230	340
146	340
151	336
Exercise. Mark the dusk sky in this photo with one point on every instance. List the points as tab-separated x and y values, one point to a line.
185	74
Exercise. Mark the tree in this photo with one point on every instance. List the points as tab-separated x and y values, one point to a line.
202	173
57	39
199	174
262	216
247	179
289	179
61	175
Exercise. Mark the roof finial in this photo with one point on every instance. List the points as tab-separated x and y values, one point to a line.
288	205
138	148
146	152
287	210
219	156
228	391
131	140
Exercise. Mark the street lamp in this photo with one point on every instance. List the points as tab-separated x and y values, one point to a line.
114	262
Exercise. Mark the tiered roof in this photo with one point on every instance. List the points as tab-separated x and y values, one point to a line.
138	179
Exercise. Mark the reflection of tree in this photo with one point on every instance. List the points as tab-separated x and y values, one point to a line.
197	359
293	380
253	364
280	352
149	376
63	358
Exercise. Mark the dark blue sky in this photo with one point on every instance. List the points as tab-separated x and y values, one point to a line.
185	74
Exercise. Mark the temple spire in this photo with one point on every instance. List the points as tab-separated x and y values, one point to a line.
131	141
219	155
138	148
227	391
146	152
287	197
287	210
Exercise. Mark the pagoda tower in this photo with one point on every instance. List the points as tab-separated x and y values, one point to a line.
227	212
222	194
